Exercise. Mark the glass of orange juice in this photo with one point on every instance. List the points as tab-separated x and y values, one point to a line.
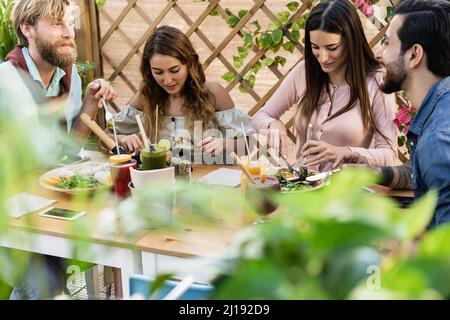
253	166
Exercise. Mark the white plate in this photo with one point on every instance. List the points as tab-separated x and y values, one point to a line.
87	166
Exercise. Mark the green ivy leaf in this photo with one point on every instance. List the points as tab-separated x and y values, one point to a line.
238	61
293	6
229	76
277	47
232	21
266	40
251	80
283	16
295	36
274	25
242	89
256	67
229	12
257	26
302	21
267	61
242	13
248	39
243	52
100	3
389	14
277	35
214	13
289	46
295	27
280	60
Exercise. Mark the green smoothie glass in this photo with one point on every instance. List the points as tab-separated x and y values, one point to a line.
153	158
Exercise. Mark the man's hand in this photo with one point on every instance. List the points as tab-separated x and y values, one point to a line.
317	152
101	88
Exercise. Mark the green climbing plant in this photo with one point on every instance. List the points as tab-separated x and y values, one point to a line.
8	37
281	33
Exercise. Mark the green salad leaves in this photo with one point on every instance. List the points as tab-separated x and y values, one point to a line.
78	181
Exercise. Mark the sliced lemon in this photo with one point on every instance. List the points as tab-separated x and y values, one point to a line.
119	158
165	144
52	180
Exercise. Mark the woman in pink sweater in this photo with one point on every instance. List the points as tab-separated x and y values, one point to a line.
335	91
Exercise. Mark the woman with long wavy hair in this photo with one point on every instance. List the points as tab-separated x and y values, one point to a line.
336	93
175	87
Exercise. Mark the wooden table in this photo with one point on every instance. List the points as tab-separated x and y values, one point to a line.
98	233
148	252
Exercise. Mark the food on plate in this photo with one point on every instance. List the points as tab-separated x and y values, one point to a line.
80	176
53	180
295	179
66	173
78	181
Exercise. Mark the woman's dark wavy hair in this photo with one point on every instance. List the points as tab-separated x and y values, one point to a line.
427	23
339	17
198	101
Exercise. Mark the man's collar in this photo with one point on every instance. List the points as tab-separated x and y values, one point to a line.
428	105
34	72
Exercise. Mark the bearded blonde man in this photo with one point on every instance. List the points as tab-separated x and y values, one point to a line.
45	58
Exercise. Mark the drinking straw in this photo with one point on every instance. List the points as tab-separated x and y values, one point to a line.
244	168
156	126
141	128
246	142
115	135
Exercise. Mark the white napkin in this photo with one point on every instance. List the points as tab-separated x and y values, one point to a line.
223	177
24	203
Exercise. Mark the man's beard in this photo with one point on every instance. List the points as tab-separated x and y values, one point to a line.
394	77
49	52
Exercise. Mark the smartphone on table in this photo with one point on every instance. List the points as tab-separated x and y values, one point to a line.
64	214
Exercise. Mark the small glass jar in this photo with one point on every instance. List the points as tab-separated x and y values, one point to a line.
120	173
153	158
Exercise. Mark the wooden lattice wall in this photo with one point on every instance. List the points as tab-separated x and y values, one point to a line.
124	26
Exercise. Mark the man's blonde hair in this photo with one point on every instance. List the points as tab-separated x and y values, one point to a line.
31	11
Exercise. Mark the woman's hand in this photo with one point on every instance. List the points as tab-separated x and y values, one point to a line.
212	145
277	137
352	157
317	152
131	143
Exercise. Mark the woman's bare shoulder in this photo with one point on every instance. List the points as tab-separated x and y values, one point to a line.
136	103
222	98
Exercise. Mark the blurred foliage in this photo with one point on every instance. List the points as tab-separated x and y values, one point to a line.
8	37
86	72
22	151
331	243
337	242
